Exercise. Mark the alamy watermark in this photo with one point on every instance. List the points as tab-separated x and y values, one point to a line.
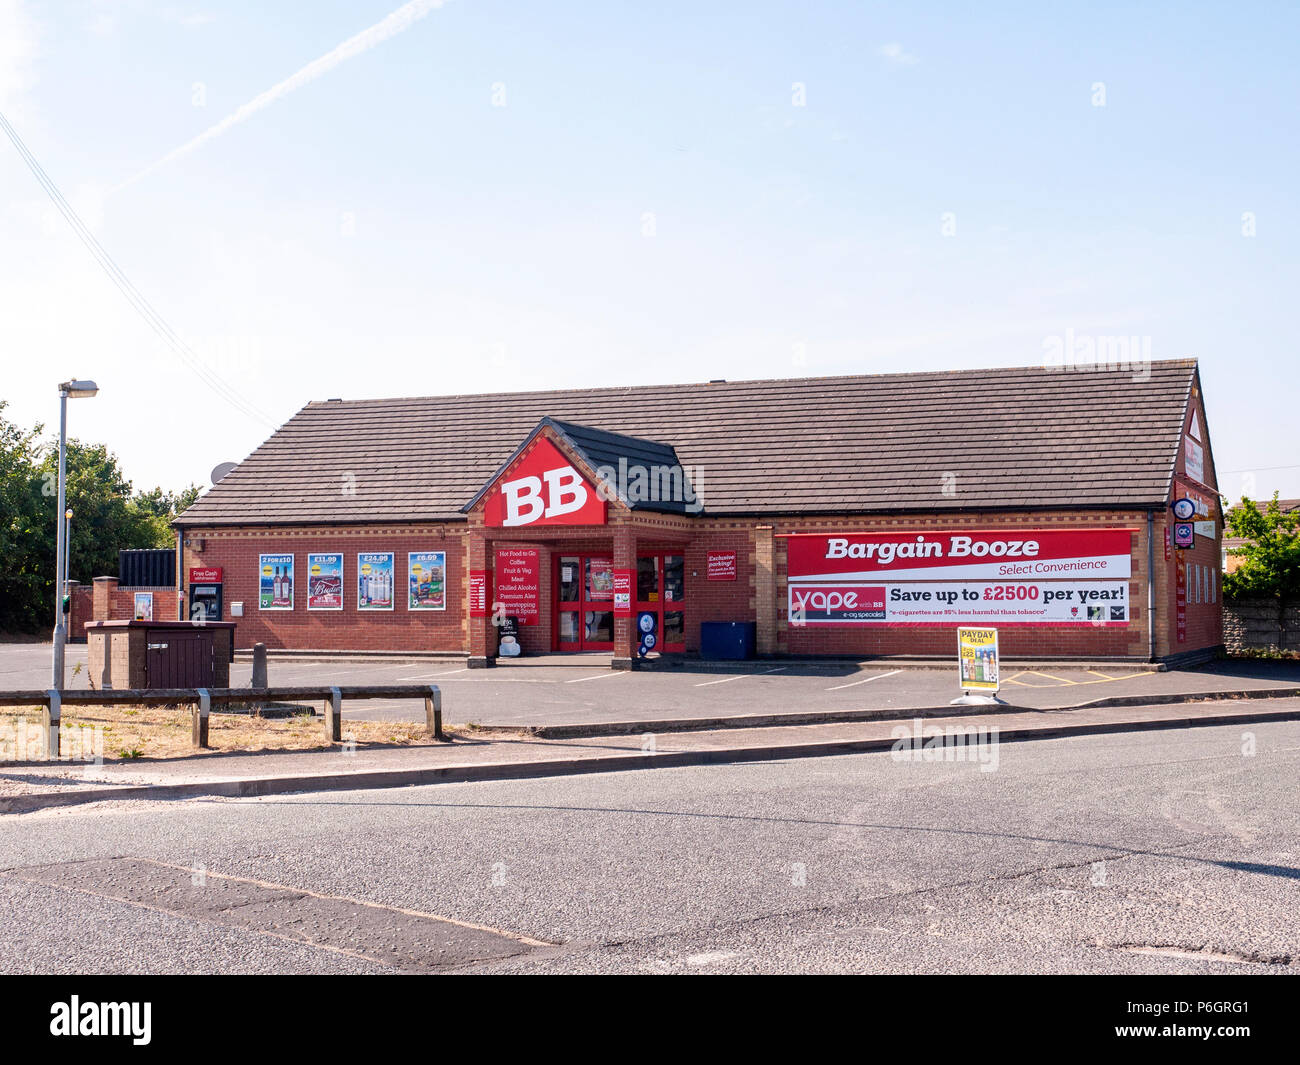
919	742
1084	351
660	483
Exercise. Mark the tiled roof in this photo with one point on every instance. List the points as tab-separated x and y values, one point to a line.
605	455
969	439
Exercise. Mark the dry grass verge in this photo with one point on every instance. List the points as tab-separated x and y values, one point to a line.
130	732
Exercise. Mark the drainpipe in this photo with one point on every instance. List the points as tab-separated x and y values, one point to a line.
1151	585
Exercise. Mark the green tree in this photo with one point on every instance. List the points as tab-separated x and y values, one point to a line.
165	504
1270	557
106	518
25	513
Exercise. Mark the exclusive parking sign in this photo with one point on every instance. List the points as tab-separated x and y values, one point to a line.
977	656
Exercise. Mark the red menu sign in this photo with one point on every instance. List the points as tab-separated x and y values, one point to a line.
477	593
519	583
205	575
720	566
1180	599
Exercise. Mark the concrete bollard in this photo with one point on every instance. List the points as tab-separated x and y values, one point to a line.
53	716
202	711
334	717
259	666
433	712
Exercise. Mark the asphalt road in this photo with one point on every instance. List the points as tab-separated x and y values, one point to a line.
1167	852
537	693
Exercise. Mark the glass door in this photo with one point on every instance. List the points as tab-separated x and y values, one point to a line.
584	603
661	591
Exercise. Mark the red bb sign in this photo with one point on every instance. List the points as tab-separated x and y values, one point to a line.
543	488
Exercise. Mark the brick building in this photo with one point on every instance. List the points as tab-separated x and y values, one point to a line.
860	516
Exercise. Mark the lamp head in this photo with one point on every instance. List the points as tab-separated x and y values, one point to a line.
79	389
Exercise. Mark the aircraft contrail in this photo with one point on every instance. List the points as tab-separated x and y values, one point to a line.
399	21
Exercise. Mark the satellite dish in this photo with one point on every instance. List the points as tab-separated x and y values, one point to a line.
218	472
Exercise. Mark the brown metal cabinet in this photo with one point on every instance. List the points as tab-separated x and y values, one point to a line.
154	654
175	659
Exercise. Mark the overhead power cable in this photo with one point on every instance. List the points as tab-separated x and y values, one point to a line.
133	296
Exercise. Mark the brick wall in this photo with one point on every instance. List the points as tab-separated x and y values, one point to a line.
81	610
236	551
759	592
110	601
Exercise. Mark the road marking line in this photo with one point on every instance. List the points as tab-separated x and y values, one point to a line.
867	680
1059	680
421	676
597	676
739	676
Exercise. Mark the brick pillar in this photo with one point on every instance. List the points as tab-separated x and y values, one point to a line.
763	585
625	635
482	632
103	598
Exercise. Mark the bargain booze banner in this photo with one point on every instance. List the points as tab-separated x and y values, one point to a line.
1005	554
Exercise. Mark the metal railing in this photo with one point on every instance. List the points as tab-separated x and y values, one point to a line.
201	701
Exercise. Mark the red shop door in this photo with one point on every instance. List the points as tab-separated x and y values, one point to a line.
584	603
661	590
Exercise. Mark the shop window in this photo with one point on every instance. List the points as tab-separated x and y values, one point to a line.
674	579
570	569
600	626
674	627
647	579
568	626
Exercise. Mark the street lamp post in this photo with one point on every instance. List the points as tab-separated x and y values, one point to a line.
68	390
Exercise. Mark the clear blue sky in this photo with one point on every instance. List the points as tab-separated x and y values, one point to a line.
649	205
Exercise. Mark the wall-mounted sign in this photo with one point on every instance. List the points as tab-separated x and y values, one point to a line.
275	582
1003	554
375	580
542	488
1208	529
205	575
477	593
952	603
519	583
1184	534
720	566
426	580
1203	506
647	631
325	581
623	593
1194	459
1180	598
1184	509
977	659
143	607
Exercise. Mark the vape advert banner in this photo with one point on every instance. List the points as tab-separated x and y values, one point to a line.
947	603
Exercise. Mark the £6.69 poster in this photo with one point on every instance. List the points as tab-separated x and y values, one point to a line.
426	580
